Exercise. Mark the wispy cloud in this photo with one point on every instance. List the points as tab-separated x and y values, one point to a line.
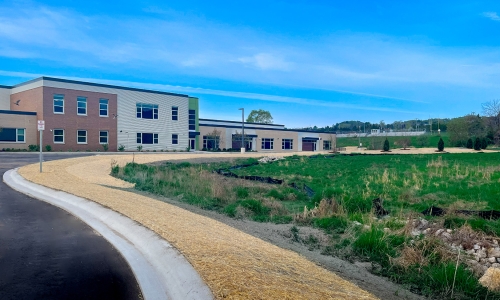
232	94
266	61
491	15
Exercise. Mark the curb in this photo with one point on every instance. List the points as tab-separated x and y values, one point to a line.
161	271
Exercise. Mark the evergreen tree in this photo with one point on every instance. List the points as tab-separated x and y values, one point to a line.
469	143
477	144
440	145
484	143
386	145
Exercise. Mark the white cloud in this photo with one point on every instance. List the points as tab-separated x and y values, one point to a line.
266	61
491	15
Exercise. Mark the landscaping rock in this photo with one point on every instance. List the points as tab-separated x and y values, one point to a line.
495	265
492	260
493	252
491	279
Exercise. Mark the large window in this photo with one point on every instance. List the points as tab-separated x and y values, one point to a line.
175	113
287	144
211	142
81	136
192	119
267	144
103	137
58	104
103	107
327	145
147	138
12	135
81	106
59	136
175	139
147	111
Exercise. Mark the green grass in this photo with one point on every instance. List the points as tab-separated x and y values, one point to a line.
428	141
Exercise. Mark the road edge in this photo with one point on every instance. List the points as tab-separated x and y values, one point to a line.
161	271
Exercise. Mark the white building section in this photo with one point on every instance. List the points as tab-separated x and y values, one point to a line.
4	98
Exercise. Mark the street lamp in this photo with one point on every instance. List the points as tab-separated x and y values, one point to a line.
242	130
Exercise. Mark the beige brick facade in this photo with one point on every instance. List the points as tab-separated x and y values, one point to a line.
28	122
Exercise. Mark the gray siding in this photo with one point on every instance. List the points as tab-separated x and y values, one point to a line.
4	98
129	125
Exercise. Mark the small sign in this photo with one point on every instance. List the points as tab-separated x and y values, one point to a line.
41	125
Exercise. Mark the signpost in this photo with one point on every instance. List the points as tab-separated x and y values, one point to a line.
41	128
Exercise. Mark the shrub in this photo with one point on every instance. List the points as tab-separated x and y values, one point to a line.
477	144
204	149
422	140
386	145
48	148
34	148
121	148
484	143
105	147
469	144
440	145
139	148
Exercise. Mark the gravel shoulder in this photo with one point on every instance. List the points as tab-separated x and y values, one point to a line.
234	264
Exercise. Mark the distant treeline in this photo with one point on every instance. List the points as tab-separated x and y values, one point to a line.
358	126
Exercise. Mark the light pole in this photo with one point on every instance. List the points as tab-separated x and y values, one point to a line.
243	147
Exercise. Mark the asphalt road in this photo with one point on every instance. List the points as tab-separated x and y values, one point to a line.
47	253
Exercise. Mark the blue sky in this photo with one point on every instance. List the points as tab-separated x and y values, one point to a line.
308	62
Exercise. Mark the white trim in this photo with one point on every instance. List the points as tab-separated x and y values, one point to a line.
86	137
107	108
86	106
107	137
54	106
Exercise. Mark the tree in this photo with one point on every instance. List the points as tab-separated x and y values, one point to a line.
457	128
440	145
477	144
260	116
405	142
386	145
469	144
491	110
484	143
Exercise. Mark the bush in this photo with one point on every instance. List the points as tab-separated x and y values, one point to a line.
121	148
34	148
484	143
386	145
105	147
477	144
469	144
204	149
422	140
139	148
440	145
48	148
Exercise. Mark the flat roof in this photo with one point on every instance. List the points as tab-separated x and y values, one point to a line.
263	128
15	112
97	84
239	122
5	87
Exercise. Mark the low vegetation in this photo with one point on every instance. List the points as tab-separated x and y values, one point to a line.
344	187
372	142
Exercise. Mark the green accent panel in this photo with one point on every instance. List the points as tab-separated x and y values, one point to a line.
194	104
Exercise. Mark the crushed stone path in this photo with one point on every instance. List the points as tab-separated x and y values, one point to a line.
233	264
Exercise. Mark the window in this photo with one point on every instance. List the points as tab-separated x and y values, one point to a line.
58	104
81	136
287	144
81	106
147	138
103	107
327	145
103	137
146	111
175	139
267	144
12	135
175	113
59	136
192	119
211	142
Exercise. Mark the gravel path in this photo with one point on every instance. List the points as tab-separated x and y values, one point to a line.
234	264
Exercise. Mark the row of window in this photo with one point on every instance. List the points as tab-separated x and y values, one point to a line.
12	135
150	111
152	138
81	105
212	142
81	136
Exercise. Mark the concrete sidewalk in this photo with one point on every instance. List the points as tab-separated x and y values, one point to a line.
161	271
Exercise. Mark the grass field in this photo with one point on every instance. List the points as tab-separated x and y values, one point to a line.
345	187
425	140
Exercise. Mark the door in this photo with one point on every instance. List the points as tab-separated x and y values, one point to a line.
307	146
192	144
